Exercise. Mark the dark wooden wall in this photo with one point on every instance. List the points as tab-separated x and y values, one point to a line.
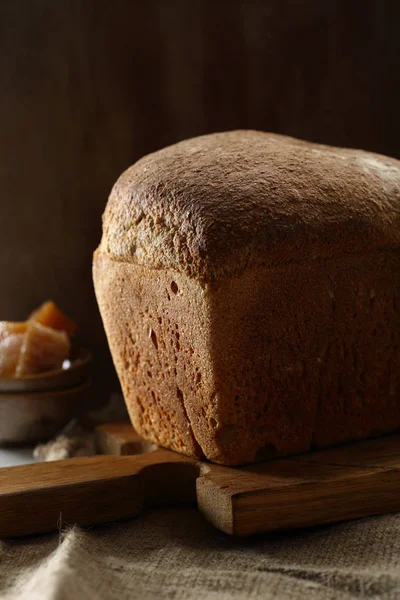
88	86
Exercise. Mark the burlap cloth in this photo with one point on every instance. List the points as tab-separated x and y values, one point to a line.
173	553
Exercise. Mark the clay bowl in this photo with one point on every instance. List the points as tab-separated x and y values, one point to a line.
30	417
52	380
37	407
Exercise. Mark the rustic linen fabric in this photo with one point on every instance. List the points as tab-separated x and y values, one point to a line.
175	554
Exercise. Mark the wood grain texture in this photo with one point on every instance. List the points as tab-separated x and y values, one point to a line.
90	86
292	494
87	491
341	483
323	487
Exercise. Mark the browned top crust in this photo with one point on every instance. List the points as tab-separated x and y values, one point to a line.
210	205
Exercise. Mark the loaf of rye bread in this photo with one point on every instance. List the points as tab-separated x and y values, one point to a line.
249	285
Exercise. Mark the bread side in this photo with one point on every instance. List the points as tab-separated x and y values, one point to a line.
157	326
359	386
190	359
267	364
307	355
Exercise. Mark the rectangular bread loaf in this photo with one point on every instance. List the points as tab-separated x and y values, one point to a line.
249	287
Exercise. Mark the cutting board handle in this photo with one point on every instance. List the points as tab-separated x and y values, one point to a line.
91	490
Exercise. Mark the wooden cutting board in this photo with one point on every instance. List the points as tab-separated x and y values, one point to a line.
351	481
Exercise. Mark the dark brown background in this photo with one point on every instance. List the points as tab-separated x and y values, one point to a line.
88	86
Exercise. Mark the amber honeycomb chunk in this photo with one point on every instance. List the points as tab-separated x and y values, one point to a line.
11	338
43	349
49	315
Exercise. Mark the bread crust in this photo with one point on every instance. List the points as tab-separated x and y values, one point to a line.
249	286
211	205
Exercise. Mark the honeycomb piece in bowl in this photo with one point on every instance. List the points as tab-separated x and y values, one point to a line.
49	315
11	339
43	349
